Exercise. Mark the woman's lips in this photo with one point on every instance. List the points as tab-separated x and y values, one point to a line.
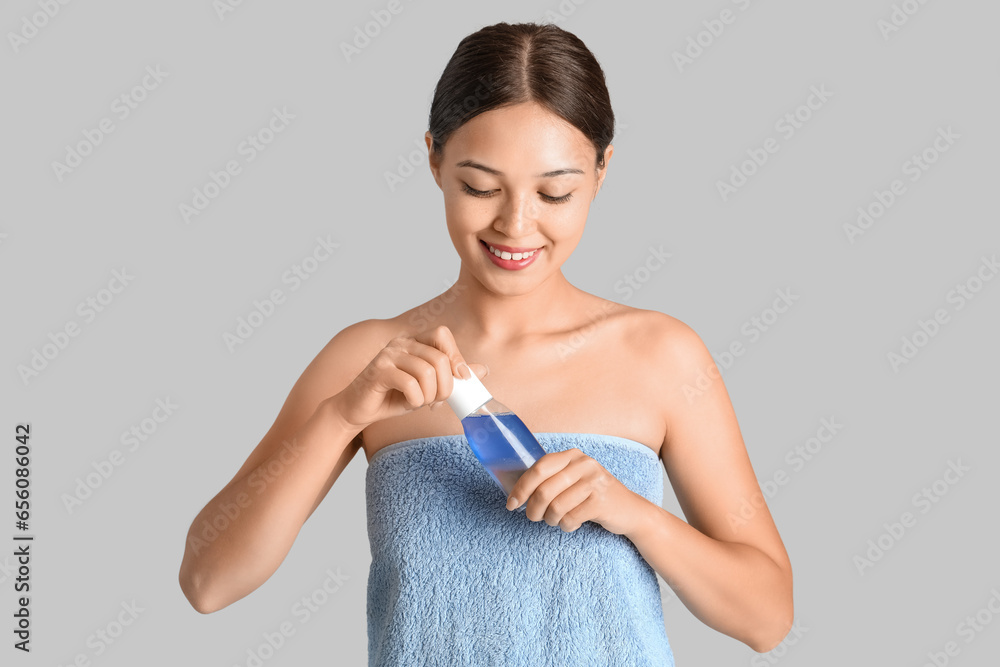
509	264
509	248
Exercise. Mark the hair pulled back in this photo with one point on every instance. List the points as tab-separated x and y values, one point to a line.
506	64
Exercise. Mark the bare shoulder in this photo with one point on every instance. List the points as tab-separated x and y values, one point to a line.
664	337
673	355
355	345
651	335
335	366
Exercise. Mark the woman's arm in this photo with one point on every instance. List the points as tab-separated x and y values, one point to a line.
727	563
240	538
244	533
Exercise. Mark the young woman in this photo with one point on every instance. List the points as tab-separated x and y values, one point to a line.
519	143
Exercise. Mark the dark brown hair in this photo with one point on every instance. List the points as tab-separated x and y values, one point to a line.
506	64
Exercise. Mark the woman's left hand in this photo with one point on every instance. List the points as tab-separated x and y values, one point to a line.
567	488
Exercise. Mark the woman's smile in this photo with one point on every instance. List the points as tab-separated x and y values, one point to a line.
512	261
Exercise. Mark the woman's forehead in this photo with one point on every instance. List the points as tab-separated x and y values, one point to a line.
525	138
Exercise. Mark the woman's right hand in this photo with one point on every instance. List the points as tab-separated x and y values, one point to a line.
406	374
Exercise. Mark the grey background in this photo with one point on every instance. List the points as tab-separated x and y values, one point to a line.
679	133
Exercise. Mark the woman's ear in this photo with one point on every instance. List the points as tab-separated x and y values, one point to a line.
432	158
603	171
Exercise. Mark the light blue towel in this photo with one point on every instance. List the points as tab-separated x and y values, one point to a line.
457	579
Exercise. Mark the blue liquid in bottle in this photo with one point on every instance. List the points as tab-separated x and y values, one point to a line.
503	444
498	437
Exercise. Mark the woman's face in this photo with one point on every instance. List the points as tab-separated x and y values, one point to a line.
519	177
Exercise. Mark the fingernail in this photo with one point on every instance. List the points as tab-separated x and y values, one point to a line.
487	370
466	375
512	503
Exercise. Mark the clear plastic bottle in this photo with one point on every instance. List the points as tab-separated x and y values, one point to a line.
498	437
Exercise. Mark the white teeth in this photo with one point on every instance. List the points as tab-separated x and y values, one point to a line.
503	254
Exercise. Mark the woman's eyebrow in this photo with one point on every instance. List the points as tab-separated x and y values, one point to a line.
490	170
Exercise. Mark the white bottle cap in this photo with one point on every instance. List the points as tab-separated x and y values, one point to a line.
468	395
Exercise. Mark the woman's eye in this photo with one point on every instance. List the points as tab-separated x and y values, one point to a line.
489	193
477	193
558	200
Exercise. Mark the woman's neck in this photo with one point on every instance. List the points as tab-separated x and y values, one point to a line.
491	315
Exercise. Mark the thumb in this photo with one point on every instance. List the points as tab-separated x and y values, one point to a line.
481	370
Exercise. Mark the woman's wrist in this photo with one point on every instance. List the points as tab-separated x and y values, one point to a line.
330	411
644	519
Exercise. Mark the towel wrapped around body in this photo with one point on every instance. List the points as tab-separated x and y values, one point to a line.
458	579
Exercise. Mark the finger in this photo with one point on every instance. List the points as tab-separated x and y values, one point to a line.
442	356
585	511
426	372
566	502
539	471
430	365
441	338
406	384
481	371
550	488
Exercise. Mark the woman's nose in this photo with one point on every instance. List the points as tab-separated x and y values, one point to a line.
517	216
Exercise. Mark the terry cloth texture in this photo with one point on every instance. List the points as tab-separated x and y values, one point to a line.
458	579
